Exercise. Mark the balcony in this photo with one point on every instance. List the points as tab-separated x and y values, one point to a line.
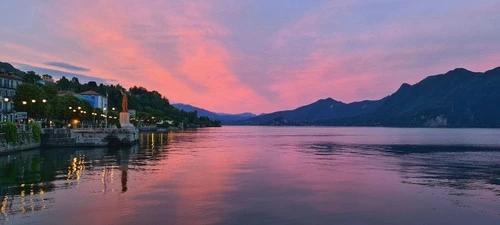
7	86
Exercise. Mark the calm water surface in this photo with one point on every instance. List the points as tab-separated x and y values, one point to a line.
262	175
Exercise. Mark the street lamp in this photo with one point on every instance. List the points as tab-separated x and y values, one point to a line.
25	102
70	107
33	100
4	117
44	101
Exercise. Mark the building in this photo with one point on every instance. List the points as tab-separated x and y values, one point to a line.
8	85
95	99
46	80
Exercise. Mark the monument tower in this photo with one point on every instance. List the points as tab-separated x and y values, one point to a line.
124	115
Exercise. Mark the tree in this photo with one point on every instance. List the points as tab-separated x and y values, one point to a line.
92	84
10	130
31	77
36	131
29	98
50	91
64	83
60	108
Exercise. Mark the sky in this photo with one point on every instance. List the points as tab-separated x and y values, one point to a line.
251	55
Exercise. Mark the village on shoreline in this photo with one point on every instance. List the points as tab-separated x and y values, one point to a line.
35	109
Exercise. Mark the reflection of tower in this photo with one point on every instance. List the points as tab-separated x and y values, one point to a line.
124	155
124	178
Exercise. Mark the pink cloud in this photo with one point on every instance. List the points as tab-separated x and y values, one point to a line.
117	53
194	52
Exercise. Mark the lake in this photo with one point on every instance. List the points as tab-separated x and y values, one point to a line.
262	175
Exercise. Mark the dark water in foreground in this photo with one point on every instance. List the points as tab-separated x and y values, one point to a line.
262	175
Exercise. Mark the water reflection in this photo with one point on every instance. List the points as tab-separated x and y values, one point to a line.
235	175
455	166
467	171
27	177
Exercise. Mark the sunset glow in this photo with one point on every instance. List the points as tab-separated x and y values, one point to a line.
252	55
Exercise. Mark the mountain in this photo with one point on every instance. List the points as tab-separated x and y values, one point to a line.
322	109
7	67
223	117
458	98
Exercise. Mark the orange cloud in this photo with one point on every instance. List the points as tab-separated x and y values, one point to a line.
230	58
200	76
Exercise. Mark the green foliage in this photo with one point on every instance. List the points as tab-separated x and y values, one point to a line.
55	107
36	130
64	83
27	93
151	106
50	91
31	77
10	130
59	108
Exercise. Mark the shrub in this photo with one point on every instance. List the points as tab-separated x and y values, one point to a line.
10	130
36	131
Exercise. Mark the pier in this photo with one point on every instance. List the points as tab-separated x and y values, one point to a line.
89	137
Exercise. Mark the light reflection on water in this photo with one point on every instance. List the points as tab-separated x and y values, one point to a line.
262	175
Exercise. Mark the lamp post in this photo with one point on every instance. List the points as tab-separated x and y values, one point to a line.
94	114
44	111
77	118
5	109
105	117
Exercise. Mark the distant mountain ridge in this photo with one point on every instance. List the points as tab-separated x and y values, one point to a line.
7	67
223	117
458	98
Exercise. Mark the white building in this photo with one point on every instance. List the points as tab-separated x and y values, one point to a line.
8	85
